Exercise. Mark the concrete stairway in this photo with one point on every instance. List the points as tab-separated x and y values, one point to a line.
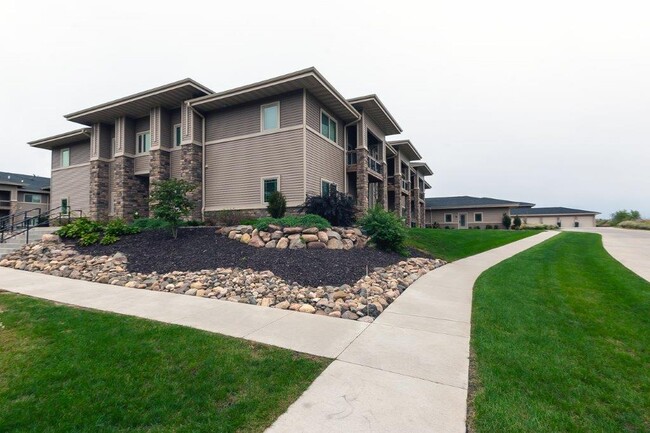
15	243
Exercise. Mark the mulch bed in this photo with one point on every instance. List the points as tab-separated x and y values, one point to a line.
201	248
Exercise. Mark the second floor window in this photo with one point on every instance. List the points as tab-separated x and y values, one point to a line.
270	116
32	198
328	126
177	135
65	157
142	143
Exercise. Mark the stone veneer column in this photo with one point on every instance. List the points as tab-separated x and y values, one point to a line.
416	200
191	171
408	209
160	166
99	200
362	181
397	197
124	187
383	187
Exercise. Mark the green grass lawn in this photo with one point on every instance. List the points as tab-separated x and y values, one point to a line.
561	342
452	245
64	369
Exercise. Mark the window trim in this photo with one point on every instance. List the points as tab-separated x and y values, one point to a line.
33	194
61	162
262	107
451	218
323	180
174	136
478	213
320	127
262	179
137	137
65	208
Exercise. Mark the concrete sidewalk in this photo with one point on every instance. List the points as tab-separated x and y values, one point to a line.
630	247
406	372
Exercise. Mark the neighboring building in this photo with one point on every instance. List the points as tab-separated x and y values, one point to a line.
295	133
464	212
557	216
20	192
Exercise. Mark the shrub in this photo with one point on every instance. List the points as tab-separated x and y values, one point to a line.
78	228
638	225
488	227
277	205
109	239
90	232
170	202
516	222
149	224
506	221
624	215
193	223
436	225
118	227
89	238
307	220
337	208
385	228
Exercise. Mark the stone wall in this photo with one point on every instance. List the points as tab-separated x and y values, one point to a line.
362	181
191	171
99	199
336	238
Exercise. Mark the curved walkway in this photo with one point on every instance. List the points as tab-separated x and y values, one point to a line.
630	247
406	372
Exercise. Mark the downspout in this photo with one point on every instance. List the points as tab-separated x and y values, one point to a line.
202	159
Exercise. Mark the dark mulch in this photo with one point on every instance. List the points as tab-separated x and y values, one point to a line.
201	248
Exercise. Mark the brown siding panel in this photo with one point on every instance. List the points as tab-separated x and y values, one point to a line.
142	164
236	167
142	124
175	164
313	117
324	161
73	183
79	154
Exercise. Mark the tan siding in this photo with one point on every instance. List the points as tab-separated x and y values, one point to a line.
72	183
22	206
142	124
166	129
142	164
372	127
197	124
236	167
175	116
491	216
324	161
129	136
175	164
313	118
79	154
245	119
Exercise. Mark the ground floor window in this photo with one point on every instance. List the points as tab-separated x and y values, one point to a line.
269	186
65	206
327	188
447	217
478	217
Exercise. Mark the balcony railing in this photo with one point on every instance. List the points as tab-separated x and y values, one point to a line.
5	203
374	165
422	195
405	184
352	157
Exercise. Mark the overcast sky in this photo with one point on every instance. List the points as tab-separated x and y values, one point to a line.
546	102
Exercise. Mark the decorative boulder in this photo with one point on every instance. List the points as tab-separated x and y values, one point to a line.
282	244
50	237
334	244
310	238
256	241
310	231
316	245
246	238
322	236
292	230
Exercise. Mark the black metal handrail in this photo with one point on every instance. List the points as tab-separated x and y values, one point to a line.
42	219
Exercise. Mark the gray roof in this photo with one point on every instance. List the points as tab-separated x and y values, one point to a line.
465	201
551	211
26	182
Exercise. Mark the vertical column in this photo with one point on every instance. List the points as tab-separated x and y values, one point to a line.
160	144
397	197
192	156
383	187
124	185
100	145
416	203
362	181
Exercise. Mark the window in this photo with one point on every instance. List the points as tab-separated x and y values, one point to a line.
478	217
64	206
447	217
270	116
328	126
269	186
327	187
177	135
65	157
142	142
32	198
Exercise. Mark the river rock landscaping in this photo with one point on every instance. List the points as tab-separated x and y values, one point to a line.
363	298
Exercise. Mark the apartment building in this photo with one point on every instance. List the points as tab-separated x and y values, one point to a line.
22	192
294	133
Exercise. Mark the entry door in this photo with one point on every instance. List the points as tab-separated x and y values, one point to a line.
462	221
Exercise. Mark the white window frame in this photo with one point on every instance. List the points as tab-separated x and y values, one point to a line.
179	136
137	139
322	181
262	107
451	218
262	179
62	162
67	206
478	213
332	119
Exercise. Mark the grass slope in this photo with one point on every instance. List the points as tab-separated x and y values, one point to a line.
64	369
561	342
452	245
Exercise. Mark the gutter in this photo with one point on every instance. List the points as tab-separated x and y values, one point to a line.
202	158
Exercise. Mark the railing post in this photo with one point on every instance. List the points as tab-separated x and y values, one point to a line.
27	232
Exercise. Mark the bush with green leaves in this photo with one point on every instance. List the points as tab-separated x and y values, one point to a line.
506	221
385	228
78	228
89	232
624	215
516	222
150	224
277	206
117	227
305	221
170	202
337	208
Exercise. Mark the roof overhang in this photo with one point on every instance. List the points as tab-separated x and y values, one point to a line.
62	139
427	185
475	206
140	104
422	167
377	110
309	79
390	150
407	149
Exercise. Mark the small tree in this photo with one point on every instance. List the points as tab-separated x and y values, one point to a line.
506	221
516	222
170	203
624	215
277	204
337	208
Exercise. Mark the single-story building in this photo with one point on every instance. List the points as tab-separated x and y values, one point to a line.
556	216
464	212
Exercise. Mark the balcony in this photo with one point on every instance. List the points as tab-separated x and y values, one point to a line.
374	165
406	184
352	157
5	203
